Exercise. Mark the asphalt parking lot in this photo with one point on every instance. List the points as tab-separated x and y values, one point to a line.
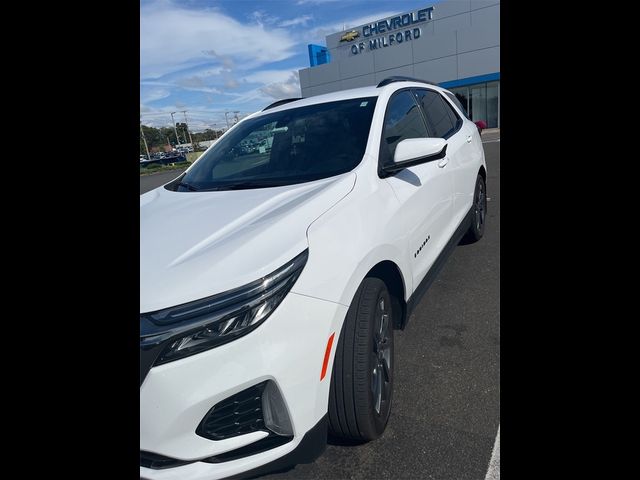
149	182
446	406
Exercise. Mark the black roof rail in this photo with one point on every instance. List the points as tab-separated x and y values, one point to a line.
280	102
399	78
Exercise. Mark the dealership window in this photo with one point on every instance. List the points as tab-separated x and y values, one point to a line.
482	102
492	103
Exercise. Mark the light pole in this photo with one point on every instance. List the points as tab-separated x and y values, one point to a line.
146	147
174	128
187	124
225	117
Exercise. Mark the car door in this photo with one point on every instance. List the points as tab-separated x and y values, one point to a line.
424	191
472	158
444	122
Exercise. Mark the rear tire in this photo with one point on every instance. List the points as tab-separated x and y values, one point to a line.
479	218
362	377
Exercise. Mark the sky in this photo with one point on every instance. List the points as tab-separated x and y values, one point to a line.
212	56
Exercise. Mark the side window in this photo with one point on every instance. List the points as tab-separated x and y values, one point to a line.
443	121
455	119
403	120
457	103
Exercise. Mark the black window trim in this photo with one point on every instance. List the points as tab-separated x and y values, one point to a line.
444	97
465	114
381	173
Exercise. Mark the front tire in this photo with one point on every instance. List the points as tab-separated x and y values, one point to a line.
362	378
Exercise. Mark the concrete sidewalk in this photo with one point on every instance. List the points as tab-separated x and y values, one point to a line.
490	135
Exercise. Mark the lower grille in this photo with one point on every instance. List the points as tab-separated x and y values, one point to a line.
236	415
158	462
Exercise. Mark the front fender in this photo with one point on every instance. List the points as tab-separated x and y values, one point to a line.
347	241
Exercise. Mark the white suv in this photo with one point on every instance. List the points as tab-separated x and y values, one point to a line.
272	279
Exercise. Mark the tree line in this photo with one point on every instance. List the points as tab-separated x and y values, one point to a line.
159	138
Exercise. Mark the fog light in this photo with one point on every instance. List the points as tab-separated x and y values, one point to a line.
274	411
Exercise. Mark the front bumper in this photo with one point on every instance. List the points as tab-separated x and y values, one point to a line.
287	349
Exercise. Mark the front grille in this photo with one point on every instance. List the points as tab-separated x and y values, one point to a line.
236	415
158	462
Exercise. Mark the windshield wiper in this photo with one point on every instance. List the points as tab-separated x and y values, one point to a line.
187	186
244	185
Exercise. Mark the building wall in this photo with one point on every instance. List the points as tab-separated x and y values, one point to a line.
462	41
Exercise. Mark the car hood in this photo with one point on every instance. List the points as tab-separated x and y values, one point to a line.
196	244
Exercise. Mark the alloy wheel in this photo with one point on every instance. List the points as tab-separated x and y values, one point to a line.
381	357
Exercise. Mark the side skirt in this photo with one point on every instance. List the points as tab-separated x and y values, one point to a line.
432	274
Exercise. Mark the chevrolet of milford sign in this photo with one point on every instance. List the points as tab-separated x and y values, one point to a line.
388	32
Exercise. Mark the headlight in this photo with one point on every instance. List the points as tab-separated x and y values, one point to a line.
193	327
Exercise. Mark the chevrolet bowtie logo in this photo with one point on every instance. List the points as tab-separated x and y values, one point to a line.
349	36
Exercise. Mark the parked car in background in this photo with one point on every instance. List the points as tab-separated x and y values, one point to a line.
175	157
164	159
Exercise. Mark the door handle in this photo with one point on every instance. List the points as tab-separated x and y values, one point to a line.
443	162
469	138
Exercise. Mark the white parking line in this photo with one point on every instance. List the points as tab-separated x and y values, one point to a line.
493	472
491	141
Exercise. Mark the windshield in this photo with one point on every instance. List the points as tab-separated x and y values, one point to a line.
282	148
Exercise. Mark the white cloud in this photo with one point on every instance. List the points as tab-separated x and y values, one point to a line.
174	38
231	82
225	60
262	18
156	93
283	89
302	20
191	82
271	76
186	83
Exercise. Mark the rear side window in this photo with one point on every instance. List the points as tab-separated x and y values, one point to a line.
443	121
457	103
403	120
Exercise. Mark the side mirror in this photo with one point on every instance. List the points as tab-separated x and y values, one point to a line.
481	124
415	151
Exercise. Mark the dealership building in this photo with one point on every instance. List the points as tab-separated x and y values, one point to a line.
453	43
